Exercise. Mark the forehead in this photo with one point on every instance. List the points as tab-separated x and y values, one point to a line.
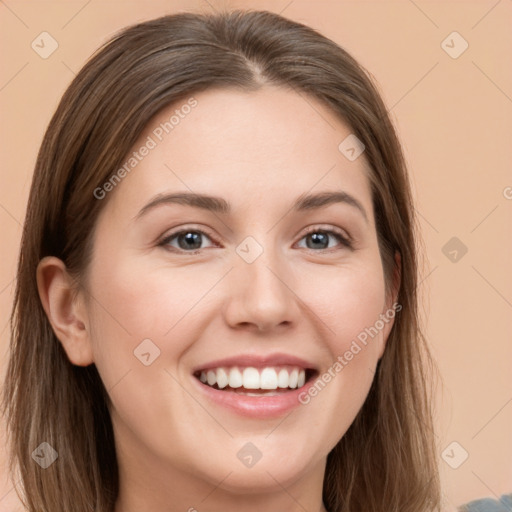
250	147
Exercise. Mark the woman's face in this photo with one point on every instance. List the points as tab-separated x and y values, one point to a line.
258	276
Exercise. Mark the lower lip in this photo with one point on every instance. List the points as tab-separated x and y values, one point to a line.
256	406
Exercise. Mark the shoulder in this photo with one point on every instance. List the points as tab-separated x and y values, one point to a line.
504	504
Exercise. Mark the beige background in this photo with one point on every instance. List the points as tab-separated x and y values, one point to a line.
454	116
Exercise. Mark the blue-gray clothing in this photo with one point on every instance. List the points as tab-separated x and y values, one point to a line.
504	504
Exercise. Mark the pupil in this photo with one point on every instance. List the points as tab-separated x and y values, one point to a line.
190	238
318	237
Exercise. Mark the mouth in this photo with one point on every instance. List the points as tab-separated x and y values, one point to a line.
256	386
253	381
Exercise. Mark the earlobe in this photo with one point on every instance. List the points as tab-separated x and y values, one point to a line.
66	313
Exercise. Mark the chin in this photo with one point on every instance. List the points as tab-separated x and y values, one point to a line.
258	479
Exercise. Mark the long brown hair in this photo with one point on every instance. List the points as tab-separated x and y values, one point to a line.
387	459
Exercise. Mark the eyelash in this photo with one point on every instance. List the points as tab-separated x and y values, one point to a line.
344	240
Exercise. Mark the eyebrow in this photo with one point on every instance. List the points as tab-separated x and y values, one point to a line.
219	205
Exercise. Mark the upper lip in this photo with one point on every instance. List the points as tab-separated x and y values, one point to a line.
257	361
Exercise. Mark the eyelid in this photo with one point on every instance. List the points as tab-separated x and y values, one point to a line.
163	241
329	229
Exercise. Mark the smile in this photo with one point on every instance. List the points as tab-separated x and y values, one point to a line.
258	393
240	379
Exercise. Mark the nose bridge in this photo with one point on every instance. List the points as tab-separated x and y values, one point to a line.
259	292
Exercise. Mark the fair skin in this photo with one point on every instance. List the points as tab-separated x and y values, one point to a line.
176	449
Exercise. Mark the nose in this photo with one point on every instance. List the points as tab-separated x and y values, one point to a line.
261	295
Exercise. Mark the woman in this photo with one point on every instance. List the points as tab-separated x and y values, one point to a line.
261	371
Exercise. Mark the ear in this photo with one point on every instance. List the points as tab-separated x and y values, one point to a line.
66	313
391	308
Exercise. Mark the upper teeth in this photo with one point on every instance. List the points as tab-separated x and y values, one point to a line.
252	378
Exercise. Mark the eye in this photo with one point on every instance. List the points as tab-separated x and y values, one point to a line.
187	239
320	237
190	240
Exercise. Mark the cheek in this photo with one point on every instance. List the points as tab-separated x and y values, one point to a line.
140	330
350	308
136	300
145	314
130	314
348	302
